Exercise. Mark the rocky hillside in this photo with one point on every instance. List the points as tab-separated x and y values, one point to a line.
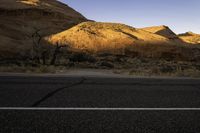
190	37
20	19
164	31
26	24
97	36
113	38
161	30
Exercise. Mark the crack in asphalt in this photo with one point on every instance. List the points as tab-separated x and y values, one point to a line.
50	94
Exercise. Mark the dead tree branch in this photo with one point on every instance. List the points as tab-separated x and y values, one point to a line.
56	52
39	53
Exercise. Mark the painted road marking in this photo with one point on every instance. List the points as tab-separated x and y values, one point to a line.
98	109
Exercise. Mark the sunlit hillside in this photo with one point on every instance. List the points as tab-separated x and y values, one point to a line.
20	19
165	31
161	30
98	36
190	37
123	40
50	33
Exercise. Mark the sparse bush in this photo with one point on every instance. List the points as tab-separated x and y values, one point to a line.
81	57
106	64
168	55
167	69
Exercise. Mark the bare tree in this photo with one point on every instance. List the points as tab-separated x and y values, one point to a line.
56	52
39	52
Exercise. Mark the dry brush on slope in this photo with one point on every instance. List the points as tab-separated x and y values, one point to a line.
120	39
20	18
190	37
50	33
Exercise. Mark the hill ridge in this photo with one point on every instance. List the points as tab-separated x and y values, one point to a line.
100	35
19	21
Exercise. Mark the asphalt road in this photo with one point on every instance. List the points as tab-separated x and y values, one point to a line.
50	104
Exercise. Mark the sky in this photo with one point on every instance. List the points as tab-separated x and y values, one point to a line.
180	15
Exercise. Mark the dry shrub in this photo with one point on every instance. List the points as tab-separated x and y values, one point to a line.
81	57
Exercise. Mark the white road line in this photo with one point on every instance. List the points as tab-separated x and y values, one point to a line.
99	109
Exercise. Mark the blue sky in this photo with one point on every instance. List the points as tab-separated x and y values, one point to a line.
179	15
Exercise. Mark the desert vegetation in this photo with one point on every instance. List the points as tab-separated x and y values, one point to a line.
138	57
138	62
48	36
190	37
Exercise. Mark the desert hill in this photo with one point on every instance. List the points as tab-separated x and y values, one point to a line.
98	36
25	23
115	38
42	35
190	37
51	6
20	19
161	30
165	31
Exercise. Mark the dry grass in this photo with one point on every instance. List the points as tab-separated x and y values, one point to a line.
32	70
19	20
190	37
30	2
133	67
194	73
28	69
95	36
161	30
147	51
121	39
166	68
185	74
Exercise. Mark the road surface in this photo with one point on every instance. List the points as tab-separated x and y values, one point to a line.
48	104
